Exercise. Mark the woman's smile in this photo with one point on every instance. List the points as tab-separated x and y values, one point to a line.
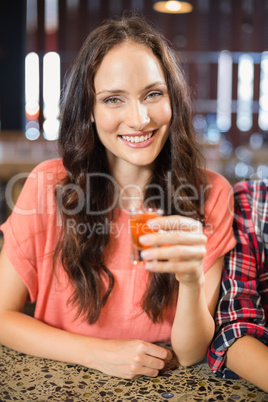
139	140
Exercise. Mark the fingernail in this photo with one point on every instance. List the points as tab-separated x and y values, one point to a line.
146	254
145	239
150	266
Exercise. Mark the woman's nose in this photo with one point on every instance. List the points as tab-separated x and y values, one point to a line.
137	116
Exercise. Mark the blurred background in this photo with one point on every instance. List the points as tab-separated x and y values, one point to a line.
223	46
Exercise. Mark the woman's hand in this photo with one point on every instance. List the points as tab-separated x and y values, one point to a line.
131	358
181	248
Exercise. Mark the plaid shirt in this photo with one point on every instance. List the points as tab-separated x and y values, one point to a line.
243	304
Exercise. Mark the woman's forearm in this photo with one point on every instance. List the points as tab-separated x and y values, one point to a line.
193	326
121	358
248	357
28	335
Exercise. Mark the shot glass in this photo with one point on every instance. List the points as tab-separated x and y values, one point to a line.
139	227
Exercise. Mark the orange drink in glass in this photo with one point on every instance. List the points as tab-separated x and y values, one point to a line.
139	227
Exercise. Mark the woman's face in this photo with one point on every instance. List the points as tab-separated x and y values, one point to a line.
132	110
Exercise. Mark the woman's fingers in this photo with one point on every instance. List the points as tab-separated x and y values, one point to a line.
174	230
169	356
151	360
188	272
148	359
181	247
172	237
187	268
133	358
155	351
177	253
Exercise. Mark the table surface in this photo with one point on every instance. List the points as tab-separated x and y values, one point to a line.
28	378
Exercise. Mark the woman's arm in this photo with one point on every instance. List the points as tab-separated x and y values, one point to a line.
127	359
193	326
248	357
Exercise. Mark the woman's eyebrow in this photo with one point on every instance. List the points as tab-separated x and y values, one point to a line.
112	91
121	91
154	84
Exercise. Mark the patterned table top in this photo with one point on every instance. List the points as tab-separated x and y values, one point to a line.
27	378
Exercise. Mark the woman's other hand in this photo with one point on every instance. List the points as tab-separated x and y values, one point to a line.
131	358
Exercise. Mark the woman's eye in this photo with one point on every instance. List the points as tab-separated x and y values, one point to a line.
153	95
112	100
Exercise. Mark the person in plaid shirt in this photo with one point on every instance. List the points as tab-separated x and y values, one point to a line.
240	346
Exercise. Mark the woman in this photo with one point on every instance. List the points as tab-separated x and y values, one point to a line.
125	140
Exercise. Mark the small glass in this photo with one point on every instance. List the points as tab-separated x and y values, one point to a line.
139	227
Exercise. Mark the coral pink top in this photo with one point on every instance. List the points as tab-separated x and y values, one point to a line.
31	233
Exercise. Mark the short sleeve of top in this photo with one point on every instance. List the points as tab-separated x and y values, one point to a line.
219	212
29	232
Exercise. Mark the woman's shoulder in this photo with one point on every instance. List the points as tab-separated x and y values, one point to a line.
52	170
218	195
39	187
216	180
51	166
217	186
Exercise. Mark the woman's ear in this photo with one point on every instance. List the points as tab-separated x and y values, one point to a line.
92	119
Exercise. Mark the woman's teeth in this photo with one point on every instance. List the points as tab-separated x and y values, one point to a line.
137	138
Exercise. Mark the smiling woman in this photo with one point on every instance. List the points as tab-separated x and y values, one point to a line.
126	140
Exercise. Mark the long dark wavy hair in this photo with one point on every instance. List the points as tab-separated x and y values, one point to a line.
176	170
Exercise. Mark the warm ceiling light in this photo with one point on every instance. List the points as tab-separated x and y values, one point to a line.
173	7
